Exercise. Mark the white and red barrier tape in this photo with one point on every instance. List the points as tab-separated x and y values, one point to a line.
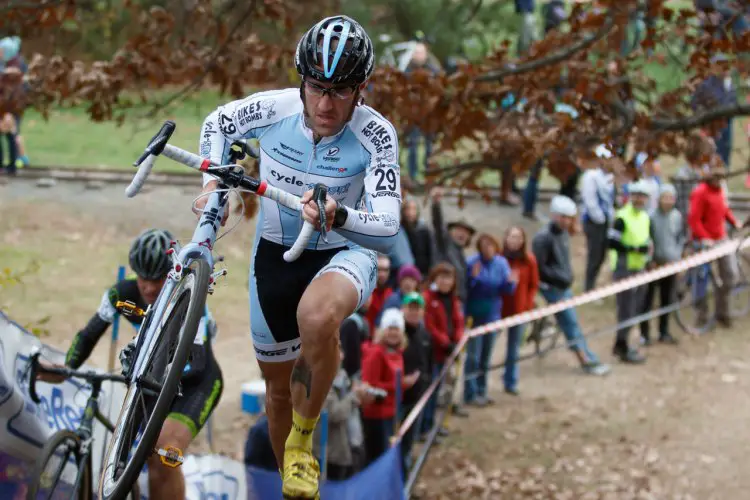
716	252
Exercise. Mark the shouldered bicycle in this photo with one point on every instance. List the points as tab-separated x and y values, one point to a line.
154	365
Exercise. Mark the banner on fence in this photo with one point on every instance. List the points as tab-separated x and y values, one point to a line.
25	426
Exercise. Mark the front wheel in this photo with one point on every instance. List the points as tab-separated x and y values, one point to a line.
144	409
61	471
694	290
544	335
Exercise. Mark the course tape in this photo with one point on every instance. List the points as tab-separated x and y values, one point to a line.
719	250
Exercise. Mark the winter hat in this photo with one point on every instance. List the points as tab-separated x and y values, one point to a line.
563	205
393	317
409	271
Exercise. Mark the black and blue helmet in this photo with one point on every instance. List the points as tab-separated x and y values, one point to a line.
336	50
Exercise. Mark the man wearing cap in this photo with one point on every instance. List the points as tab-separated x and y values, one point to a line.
707	217
551	247
598	197
630	243
451	242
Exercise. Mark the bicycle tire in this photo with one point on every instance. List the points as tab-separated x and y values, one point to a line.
49	453
739	302
117	479
686	286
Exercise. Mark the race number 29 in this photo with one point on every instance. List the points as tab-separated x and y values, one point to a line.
386	176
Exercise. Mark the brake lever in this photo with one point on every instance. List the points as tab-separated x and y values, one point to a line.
319	195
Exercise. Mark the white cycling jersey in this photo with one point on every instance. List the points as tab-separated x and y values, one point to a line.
359	165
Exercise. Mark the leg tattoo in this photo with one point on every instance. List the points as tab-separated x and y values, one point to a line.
301	373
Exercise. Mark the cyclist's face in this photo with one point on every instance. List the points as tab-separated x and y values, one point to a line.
150	289
328	107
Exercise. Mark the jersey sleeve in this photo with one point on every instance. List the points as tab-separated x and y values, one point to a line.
376	227
244	118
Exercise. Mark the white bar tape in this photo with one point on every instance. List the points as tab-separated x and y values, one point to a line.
300	243
140	177
287	199
181	156
716	252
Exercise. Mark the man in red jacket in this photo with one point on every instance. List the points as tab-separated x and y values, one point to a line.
708	213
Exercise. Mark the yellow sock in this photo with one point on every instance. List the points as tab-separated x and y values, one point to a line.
301	435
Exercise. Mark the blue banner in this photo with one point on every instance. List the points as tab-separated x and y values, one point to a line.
382	480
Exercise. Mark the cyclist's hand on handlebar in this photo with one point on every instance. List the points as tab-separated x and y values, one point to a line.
200	203
51	378
310	211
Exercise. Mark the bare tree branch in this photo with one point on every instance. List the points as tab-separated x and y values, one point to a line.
555	58
699	119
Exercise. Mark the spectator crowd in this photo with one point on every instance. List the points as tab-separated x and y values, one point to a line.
446	277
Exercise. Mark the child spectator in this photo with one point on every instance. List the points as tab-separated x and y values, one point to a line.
444	320
523	263
668	236
490	277
417	358
382	362
409	279
381	292
345	438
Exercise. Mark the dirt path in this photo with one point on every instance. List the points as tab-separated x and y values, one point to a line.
674	428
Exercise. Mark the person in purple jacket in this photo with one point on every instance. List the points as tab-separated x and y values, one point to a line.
489	277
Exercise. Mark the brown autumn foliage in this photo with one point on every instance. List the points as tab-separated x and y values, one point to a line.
616	98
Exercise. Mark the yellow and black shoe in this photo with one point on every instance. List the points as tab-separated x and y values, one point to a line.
300	476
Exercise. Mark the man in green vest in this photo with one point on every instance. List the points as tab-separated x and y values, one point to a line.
630	250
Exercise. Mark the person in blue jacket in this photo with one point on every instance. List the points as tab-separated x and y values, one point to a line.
489	277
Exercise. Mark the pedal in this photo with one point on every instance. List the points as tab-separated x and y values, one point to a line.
171	456
128	308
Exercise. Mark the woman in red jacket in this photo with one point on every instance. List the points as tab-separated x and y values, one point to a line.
444	319
523	263
382	361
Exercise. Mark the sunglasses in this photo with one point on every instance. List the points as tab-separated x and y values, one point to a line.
335	92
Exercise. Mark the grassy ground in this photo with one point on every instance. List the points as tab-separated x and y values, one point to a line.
69	138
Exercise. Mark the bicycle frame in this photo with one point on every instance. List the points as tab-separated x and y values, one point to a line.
200	247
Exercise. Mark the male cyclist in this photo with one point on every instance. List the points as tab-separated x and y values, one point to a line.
320	132
202	382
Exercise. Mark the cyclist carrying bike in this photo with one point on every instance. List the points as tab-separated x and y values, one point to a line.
202	382
320	132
